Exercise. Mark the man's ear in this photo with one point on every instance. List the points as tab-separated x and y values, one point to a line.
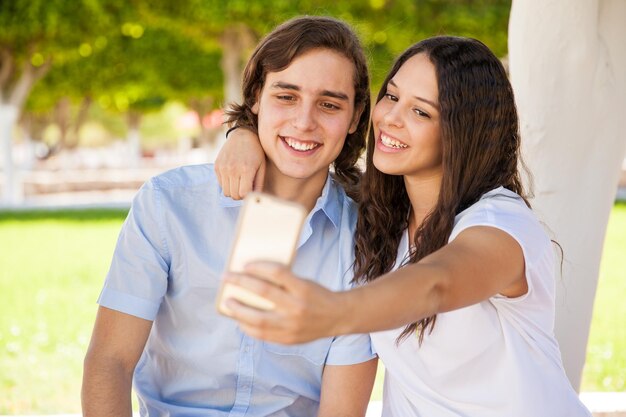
355	120
255	107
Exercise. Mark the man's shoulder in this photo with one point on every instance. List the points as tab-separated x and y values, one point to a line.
186	187
188	176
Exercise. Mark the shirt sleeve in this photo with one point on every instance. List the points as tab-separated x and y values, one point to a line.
137	279
350	349
518	221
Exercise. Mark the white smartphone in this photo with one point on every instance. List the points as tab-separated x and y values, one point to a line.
268	229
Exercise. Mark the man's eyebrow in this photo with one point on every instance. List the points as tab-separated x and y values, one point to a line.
327	93
285	86
425	100
335	94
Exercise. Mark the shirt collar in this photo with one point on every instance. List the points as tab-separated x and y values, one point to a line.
330	202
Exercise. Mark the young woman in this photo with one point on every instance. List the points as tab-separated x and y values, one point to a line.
459	272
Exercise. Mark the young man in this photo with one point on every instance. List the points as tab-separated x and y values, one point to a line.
306	91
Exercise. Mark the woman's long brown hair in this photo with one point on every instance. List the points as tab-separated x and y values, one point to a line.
481	146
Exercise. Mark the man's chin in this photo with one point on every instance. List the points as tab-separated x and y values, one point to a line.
299	173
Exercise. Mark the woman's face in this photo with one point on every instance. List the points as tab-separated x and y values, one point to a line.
406	122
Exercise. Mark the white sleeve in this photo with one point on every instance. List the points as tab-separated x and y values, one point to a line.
513	217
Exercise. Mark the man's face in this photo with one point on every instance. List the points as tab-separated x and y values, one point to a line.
305	113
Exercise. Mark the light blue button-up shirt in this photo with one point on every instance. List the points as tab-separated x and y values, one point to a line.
167	267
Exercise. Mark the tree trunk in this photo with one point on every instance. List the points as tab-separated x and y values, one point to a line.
202	107
232	63
63	116
235	41
11	193
26	123
12	99
567	60
81	117
134	138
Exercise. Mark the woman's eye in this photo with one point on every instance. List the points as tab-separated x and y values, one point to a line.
391	97
421	113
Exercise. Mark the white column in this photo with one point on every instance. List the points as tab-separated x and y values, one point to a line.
568	70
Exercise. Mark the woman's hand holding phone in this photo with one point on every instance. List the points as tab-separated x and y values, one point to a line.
303	311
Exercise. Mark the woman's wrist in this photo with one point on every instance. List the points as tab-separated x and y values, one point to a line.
346	320
228	132
235	127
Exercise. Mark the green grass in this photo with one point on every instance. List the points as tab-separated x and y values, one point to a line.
605	367
52	269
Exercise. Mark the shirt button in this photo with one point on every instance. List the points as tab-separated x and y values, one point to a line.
245	386
246	349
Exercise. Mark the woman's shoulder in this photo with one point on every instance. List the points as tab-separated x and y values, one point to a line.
498	205
505	210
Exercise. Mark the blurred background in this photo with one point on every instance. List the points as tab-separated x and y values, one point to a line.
96	96
104	94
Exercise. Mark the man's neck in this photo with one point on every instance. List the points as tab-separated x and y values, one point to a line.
303	191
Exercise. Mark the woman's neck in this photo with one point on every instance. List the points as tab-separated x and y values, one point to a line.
423	194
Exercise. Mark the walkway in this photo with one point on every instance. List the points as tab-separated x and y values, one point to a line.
601	404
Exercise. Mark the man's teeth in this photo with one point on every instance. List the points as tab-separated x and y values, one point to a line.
387	141
299	146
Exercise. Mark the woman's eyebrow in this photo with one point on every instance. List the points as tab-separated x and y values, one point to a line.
425	100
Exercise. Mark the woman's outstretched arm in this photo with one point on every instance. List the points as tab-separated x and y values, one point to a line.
481	262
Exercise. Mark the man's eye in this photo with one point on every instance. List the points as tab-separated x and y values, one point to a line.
286	98
330	106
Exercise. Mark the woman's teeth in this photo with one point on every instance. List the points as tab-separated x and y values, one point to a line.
387	141
300	146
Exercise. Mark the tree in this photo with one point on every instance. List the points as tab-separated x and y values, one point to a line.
70	38
132	69
386	26
389	27
36	35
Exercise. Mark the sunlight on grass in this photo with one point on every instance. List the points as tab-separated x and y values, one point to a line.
52	271
53	266
605	369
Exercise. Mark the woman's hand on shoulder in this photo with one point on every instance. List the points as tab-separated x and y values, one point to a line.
240	164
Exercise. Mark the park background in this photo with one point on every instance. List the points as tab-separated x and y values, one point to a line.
112	92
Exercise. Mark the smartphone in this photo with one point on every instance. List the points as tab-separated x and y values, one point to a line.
268	229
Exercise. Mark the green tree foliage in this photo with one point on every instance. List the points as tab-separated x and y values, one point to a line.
387	27
135	55
36	35
390	26
135	69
